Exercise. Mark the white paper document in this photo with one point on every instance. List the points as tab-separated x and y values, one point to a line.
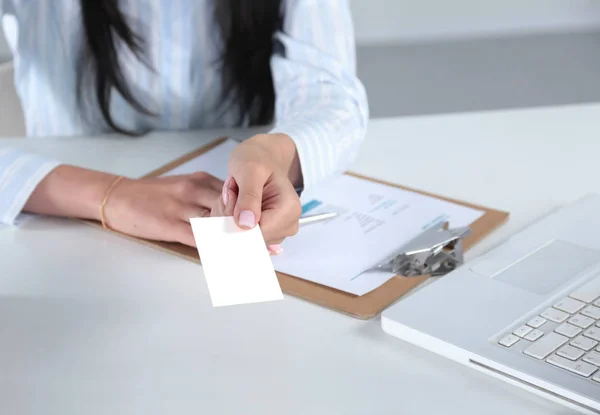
213	162
236	263
374	221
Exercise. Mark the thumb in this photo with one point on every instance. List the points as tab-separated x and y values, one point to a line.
248	205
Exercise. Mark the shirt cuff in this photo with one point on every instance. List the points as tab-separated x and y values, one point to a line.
20	174
315	163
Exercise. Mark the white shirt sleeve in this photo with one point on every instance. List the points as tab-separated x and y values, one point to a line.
320	102
20	173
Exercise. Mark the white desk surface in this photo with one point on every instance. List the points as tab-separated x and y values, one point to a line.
92	323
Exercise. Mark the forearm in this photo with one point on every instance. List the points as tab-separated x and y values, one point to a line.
70	191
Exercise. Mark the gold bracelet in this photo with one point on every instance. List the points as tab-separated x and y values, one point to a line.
106	194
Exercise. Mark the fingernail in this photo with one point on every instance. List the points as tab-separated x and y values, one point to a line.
247	219
225	191
225	195
276	249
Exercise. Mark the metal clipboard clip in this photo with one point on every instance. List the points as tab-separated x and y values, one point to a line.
435	252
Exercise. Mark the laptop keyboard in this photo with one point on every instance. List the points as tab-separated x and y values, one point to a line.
566	335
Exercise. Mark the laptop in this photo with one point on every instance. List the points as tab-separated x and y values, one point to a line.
527	311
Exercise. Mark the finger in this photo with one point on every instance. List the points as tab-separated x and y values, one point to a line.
277	241
275	249
231	184
219	205
225	191
218	209
231	198
225	205
247	211
216	212
276	227
281	221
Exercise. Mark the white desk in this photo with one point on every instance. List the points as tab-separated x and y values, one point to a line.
95	324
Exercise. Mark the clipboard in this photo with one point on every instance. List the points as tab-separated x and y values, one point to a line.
363	307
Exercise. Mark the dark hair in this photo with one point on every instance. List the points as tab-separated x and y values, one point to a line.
246	30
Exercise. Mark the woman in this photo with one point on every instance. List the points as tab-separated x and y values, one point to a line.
131	66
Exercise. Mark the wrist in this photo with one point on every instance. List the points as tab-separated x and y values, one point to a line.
91	197
70	192
107	194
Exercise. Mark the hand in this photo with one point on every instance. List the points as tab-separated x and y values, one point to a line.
259	191
160	208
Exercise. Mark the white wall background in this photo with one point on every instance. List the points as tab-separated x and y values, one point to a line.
378	21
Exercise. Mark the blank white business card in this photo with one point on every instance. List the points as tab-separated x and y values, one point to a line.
237	265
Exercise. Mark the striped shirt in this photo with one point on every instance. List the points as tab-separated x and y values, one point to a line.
320	102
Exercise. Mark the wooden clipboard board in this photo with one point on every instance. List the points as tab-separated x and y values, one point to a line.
364	307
